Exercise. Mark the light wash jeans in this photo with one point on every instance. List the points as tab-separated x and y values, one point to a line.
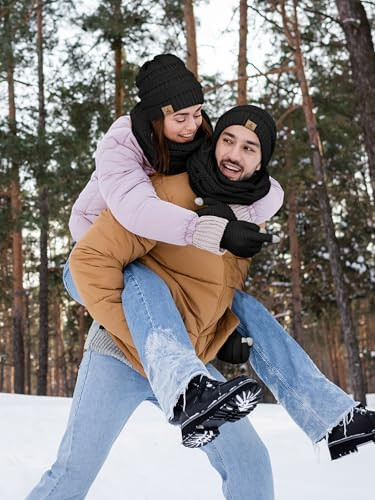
313	402
106	394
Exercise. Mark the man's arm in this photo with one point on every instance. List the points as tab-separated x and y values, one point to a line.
96	264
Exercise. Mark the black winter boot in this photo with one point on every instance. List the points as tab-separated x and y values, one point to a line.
208	404
353	431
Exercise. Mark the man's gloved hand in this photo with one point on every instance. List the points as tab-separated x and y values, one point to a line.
244	239
236	349
216	208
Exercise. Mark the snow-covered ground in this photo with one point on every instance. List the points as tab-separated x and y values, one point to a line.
147	462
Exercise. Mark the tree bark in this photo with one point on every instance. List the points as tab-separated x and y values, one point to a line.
191	39
359	42
43	213
295	266
242	55
118	54
62	377
291	29
17	258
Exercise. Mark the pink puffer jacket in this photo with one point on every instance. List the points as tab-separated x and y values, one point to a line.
121	183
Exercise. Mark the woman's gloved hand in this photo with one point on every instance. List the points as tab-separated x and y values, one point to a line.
236	349
244	239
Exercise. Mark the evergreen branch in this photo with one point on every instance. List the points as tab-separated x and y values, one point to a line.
277	85
286	113
282	69
322	14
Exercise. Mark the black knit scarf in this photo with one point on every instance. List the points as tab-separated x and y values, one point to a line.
178	153
207	181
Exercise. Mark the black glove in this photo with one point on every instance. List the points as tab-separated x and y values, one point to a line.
243	239
217	208
236	349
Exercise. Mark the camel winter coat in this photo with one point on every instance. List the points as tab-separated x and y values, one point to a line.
202	284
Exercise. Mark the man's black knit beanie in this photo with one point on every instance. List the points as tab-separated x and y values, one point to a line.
254	118
165	86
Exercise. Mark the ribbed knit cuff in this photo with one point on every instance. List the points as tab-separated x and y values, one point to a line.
191	229
242	212
209	232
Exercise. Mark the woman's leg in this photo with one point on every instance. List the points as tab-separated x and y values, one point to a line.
69	283
159	334
178	378
168	353
314	403
106	394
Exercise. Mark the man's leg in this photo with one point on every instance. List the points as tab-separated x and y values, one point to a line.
241	459
314	403
106	394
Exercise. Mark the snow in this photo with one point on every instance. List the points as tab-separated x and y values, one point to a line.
147	462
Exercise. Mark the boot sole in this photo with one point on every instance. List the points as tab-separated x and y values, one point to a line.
349	445
200	437
232	406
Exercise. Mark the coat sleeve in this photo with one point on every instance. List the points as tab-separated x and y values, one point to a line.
129	194
262	210
96	264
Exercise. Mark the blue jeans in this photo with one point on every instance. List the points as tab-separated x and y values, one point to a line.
164	347
313	402
106	394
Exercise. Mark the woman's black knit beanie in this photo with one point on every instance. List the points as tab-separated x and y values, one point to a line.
165	86
254	118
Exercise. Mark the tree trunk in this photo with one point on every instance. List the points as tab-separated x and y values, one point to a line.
357	384
242	55
362	59
295	265
118	48
43	213
17	260
62	377
27	344
191	39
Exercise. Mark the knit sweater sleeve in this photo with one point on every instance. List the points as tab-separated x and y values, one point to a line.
129	194
96	264
265	208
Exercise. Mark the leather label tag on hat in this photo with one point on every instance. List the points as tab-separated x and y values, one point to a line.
250	125
167	110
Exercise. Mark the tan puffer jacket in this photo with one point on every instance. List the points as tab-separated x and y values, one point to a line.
202	284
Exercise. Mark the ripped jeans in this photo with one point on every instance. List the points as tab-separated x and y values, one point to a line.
169	360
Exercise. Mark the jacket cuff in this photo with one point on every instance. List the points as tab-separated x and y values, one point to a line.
242	212
209	232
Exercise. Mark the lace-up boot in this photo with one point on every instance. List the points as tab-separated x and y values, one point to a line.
208	404
356	429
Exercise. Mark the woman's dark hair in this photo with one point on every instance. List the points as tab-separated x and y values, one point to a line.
160	144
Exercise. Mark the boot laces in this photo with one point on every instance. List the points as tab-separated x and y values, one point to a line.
203	384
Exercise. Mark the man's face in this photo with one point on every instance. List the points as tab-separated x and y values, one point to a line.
238	153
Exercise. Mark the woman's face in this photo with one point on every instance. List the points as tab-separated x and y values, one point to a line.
183	125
